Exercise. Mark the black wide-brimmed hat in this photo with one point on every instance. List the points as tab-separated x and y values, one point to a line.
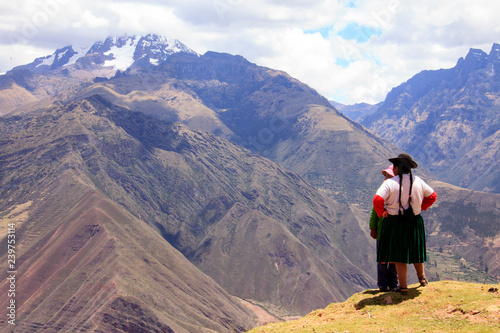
404	158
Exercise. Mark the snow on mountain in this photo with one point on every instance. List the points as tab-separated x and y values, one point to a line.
119	53
80	51
62	57
152	49
47	61
156	49
122	53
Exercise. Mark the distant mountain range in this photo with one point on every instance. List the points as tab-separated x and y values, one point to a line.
356	111
449	119
119	53
168	183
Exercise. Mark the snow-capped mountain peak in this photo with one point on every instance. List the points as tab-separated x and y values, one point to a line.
118	53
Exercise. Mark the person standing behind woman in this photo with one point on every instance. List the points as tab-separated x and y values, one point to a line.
387	278
400	201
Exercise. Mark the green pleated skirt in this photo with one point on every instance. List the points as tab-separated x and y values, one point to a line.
402	241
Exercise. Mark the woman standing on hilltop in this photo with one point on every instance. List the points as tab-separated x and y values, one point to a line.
402	236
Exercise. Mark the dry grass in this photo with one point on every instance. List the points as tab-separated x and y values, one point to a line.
15	216
445	306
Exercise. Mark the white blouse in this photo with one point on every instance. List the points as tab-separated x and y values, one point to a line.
389	191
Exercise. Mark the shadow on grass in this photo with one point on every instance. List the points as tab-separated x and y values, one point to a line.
386	298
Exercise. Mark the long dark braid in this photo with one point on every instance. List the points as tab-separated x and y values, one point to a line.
404	169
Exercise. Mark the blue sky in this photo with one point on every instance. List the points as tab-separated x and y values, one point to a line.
349	51
353	32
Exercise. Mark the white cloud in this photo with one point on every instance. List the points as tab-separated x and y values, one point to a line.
297	36
89	20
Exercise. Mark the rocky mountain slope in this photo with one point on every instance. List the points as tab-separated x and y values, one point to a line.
82	261
449	119
282	119
261	109
102	178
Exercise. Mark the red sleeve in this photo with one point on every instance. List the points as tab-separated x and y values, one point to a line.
378	204
428	201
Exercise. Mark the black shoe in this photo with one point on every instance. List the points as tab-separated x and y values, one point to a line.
384	289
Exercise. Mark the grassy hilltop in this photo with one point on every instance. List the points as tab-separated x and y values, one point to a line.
445	306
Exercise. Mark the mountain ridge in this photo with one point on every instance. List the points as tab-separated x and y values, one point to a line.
86	268
444	117
118	157
119	52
